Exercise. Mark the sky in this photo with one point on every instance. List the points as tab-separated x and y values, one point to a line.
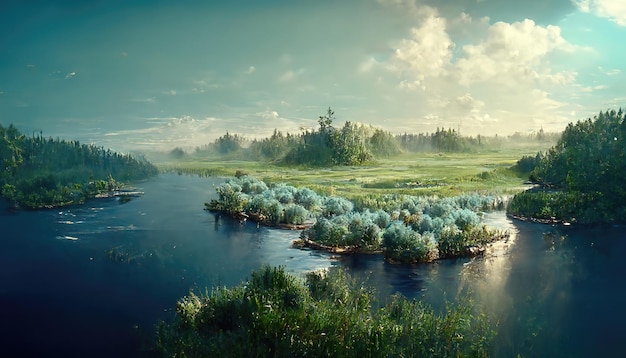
154	75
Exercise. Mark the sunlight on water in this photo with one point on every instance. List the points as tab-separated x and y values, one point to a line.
487	275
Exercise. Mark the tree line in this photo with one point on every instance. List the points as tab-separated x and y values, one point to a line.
41	172
350	144
581	177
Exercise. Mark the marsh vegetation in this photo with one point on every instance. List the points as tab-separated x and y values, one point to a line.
324	315
405	228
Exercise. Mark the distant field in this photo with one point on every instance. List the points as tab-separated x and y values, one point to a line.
441	174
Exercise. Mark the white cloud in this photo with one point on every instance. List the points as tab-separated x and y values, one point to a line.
468	102
290	75
589	89
201	86
615	10
512	52
501	80
611	72
368	65
250	70
143	100
427	53
269	114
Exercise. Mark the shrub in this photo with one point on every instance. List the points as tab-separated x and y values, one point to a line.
295	214
325	315
336	206
401	243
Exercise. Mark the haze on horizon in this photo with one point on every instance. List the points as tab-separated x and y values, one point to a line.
144	75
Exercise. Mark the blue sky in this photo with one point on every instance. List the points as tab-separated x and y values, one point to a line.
159	74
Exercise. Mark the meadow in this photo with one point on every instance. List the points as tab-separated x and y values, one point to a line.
427	174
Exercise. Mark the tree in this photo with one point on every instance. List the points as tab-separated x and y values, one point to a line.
383	143
587	166
326	121
228	143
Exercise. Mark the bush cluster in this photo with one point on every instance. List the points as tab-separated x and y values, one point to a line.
407	228
325	315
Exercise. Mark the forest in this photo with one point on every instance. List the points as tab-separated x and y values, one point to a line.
351	144
39	172
580	179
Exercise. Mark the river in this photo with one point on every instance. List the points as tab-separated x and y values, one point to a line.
92	280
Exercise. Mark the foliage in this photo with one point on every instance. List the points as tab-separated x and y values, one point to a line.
569	206
407	228
280	204
42	172
278	315
329	145
383	144
441	140
587	165
231	199
527	164
403	244
334	205
177	153
454	242
228	143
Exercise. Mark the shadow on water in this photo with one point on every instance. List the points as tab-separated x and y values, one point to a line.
93	280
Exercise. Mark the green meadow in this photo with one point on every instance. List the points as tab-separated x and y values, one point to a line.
442	174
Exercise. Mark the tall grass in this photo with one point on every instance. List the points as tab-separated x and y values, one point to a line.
327	314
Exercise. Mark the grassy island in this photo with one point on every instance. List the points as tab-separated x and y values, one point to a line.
405	228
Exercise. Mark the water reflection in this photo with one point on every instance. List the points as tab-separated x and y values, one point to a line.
553	291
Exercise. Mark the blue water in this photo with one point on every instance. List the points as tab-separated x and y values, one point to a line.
553	291
93	280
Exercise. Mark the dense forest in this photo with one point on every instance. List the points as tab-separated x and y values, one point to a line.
350	144
40	172
581	177
326	315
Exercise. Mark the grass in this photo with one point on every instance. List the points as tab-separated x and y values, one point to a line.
327	315
442	174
